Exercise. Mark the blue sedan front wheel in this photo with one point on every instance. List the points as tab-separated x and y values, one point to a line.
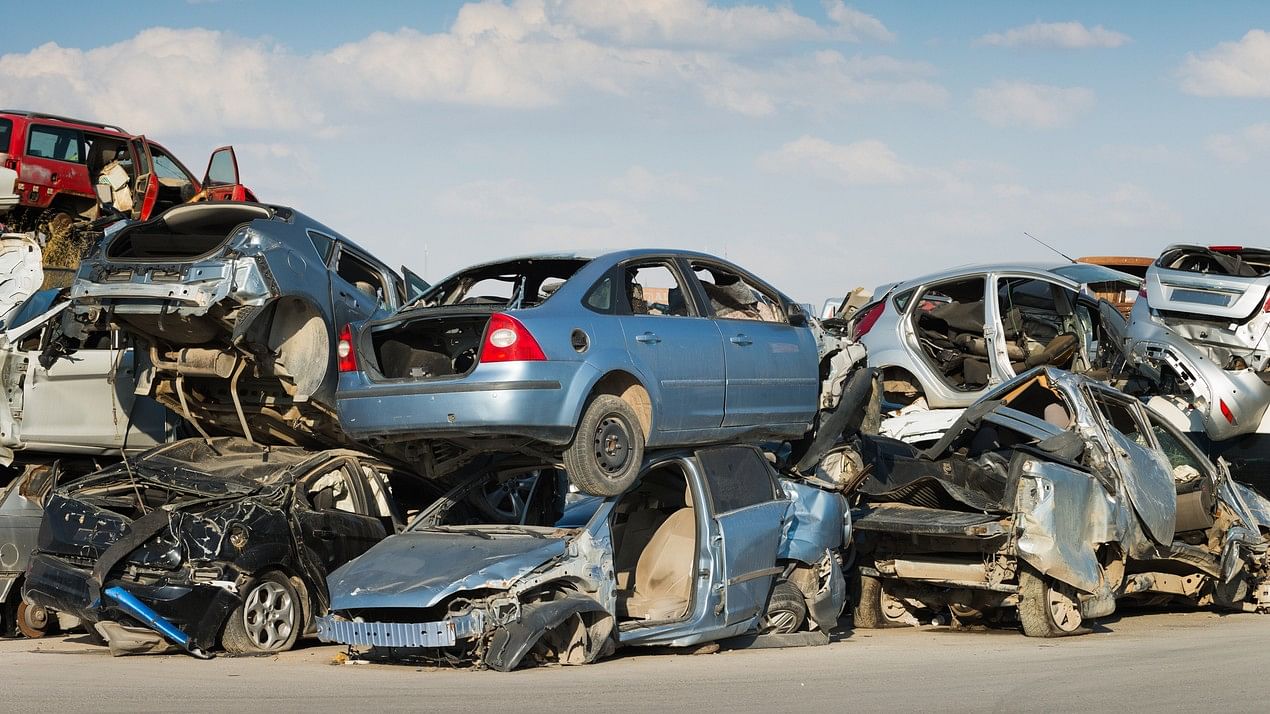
607	448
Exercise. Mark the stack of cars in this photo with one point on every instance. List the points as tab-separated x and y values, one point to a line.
546	458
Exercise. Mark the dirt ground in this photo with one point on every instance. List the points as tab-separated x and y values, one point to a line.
1202	661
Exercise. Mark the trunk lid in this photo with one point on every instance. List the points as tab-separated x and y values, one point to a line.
1228	284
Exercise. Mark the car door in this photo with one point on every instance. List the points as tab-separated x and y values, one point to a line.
55	160
672	343
750	510
98	379
336	521
145	187
772	367
1034	321
359	288
1147	475
221	181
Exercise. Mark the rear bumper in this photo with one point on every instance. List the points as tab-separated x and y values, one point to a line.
199	610
538	400
1243	391
203	284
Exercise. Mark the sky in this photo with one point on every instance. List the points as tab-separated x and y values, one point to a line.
821	144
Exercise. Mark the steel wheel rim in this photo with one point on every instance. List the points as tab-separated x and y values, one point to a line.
612	444
1064	610
892	608
781	622
269	615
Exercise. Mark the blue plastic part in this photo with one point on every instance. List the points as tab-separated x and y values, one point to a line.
152	619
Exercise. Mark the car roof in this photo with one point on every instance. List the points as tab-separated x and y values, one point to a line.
68	121
949	273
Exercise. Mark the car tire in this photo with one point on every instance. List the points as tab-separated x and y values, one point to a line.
1047	608
786	610
269	619
607	448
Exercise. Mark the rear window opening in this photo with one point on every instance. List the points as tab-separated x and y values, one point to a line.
429	348
510	285
1230	261
182	233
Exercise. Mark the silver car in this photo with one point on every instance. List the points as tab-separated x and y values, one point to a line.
1201	332
951	336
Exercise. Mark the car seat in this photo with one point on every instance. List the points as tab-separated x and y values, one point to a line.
664	572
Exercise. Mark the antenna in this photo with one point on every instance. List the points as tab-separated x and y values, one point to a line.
1047	245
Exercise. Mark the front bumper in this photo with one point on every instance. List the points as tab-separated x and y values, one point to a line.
198	609
445	633
538	400
1245	394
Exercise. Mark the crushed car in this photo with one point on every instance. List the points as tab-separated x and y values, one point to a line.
587	360
947	338
213	542
1053	497
706	545
235	305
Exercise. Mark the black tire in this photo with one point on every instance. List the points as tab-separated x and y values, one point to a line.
786	610
867	606
844	420
607	448
1047	608
270	618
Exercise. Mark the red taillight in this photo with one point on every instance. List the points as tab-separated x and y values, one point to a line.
1225	411
344	350
1225	248
506	340
11	164
867	320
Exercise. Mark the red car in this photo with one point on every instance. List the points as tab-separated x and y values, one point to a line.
58	163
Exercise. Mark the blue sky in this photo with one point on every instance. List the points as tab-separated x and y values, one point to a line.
822	144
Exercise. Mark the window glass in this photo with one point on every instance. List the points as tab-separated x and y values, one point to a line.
166	168
902	300
653	289
361	275
601	296
49	142
737	477
322	244
6	134
732	298
1179	451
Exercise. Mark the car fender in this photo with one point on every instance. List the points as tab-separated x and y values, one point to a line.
511	642
597	374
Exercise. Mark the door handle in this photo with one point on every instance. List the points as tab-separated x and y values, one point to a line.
741	340
648	338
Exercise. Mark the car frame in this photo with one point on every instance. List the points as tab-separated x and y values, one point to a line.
578	372
743	550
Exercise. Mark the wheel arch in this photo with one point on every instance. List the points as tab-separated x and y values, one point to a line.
624	385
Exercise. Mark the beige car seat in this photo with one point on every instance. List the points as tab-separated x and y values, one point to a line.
664	572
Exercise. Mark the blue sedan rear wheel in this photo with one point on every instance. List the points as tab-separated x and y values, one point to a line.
607	448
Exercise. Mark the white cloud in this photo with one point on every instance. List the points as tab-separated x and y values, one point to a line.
1056	35
1241	146
1231	69
639	183
1038	106
497	53
862	163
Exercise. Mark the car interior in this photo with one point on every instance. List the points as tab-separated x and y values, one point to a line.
732	298
655	547
654	289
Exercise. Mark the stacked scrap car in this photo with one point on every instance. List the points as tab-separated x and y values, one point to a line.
213	542
1054	495
236	305
585	360
707	544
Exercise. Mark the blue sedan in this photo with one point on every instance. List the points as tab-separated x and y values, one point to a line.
588	360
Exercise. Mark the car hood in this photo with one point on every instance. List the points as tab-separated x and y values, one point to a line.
420	568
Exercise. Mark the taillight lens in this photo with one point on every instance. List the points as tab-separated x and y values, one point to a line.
11	164
506	340
868	320
344	350
1226	412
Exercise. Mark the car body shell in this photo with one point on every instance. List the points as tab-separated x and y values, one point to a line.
266	293
738	554
181	561
707	379
1070	500
893	343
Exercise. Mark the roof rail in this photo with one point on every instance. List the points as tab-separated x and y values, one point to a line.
68	120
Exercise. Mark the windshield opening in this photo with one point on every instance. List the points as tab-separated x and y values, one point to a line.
522	500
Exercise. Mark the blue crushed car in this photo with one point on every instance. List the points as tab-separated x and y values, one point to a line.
705	546
583	360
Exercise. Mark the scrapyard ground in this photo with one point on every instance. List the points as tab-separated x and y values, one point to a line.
1138	662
